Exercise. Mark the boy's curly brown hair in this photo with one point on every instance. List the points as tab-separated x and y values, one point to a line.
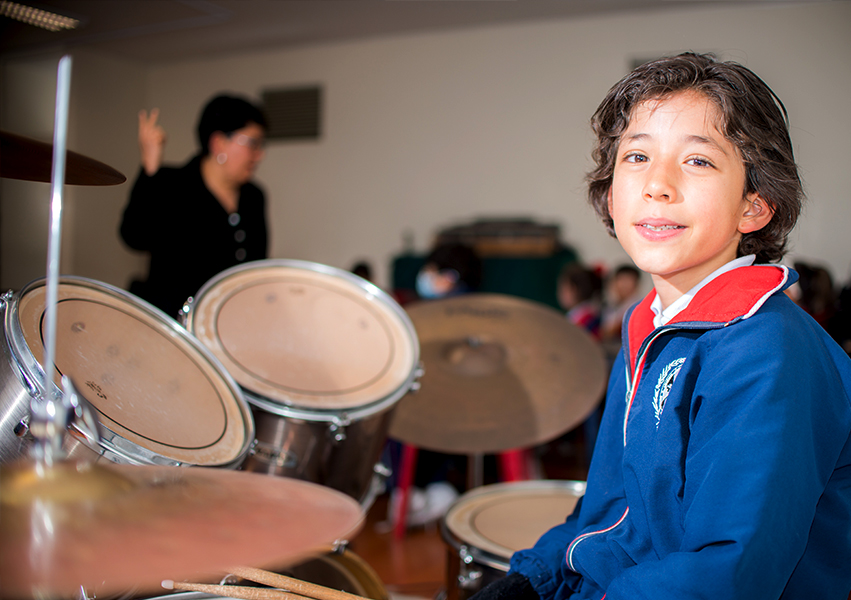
752	117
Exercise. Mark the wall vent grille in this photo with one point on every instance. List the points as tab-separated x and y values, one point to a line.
293	113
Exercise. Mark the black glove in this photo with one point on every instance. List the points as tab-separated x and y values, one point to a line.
513	586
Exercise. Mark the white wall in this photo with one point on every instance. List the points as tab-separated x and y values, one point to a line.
429	130
105	95
25	205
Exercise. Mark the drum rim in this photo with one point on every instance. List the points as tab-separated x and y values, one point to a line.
302	411
485	557
347	559
354	565
29	371
184	596
112	445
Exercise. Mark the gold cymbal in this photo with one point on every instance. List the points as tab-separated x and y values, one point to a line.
31	160
112	528
501	372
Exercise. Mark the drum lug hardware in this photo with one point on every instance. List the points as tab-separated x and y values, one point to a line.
51	419
272	455
337	428
183	313
23	427
382	470
468	578
418	373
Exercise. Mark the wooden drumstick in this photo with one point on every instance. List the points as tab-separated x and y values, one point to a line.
232	591
304	588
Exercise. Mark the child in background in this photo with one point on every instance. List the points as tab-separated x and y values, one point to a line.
622	293
579	292
723	465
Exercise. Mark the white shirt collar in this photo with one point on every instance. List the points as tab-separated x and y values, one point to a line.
662	317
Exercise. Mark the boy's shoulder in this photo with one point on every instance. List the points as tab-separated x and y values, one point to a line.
737	294
768	328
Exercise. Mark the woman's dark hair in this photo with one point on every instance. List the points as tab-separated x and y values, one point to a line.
752	118
226	114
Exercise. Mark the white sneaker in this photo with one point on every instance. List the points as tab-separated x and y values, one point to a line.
424	506
439	497
416	502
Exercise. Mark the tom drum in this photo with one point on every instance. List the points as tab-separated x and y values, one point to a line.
161	397
322	356
486	525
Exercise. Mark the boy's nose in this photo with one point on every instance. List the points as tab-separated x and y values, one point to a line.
660	185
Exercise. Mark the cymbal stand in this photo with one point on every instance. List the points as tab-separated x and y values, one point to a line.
475	470
53	412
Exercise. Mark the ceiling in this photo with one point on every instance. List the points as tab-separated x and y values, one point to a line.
166	30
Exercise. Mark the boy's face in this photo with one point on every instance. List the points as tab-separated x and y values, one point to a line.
677	196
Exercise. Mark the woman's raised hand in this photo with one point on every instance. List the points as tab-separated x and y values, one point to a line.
151	141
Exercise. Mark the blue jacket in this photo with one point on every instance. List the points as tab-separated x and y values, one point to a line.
723	465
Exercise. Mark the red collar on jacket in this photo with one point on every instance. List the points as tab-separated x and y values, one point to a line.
736	294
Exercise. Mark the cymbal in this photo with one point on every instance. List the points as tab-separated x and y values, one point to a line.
113	528
500	372
31	160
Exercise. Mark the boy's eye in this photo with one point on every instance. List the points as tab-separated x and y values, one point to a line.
699	162
634	157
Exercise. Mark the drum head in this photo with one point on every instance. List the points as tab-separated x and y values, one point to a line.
161	393
502	518
306	335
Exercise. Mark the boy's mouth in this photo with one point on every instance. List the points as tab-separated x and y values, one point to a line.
660	227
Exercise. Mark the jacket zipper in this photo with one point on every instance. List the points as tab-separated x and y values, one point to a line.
633	386
639	366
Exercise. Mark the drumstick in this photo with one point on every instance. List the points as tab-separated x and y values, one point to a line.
232	591
304	588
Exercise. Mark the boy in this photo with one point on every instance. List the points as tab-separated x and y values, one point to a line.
723	465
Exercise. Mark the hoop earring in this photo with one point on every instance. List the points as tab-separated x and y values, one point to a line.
221	158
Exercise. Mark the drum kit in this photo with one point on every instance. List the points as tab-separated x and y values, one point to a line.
279	367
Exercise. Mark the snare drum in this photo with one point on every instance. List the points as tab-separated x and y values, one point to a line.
161	397
485	526
322	356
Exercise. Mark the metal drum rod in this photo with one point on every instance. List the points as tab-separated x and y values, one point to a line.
44	408
60	130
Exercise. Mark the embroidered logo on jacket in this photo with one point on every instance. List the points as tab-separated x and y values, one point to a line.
664	385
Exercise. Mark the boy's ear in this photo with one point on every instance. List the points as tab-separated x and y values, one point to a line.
609	200
757	214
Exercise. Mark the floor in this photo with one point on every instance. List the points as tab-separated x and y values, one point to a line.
415	566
